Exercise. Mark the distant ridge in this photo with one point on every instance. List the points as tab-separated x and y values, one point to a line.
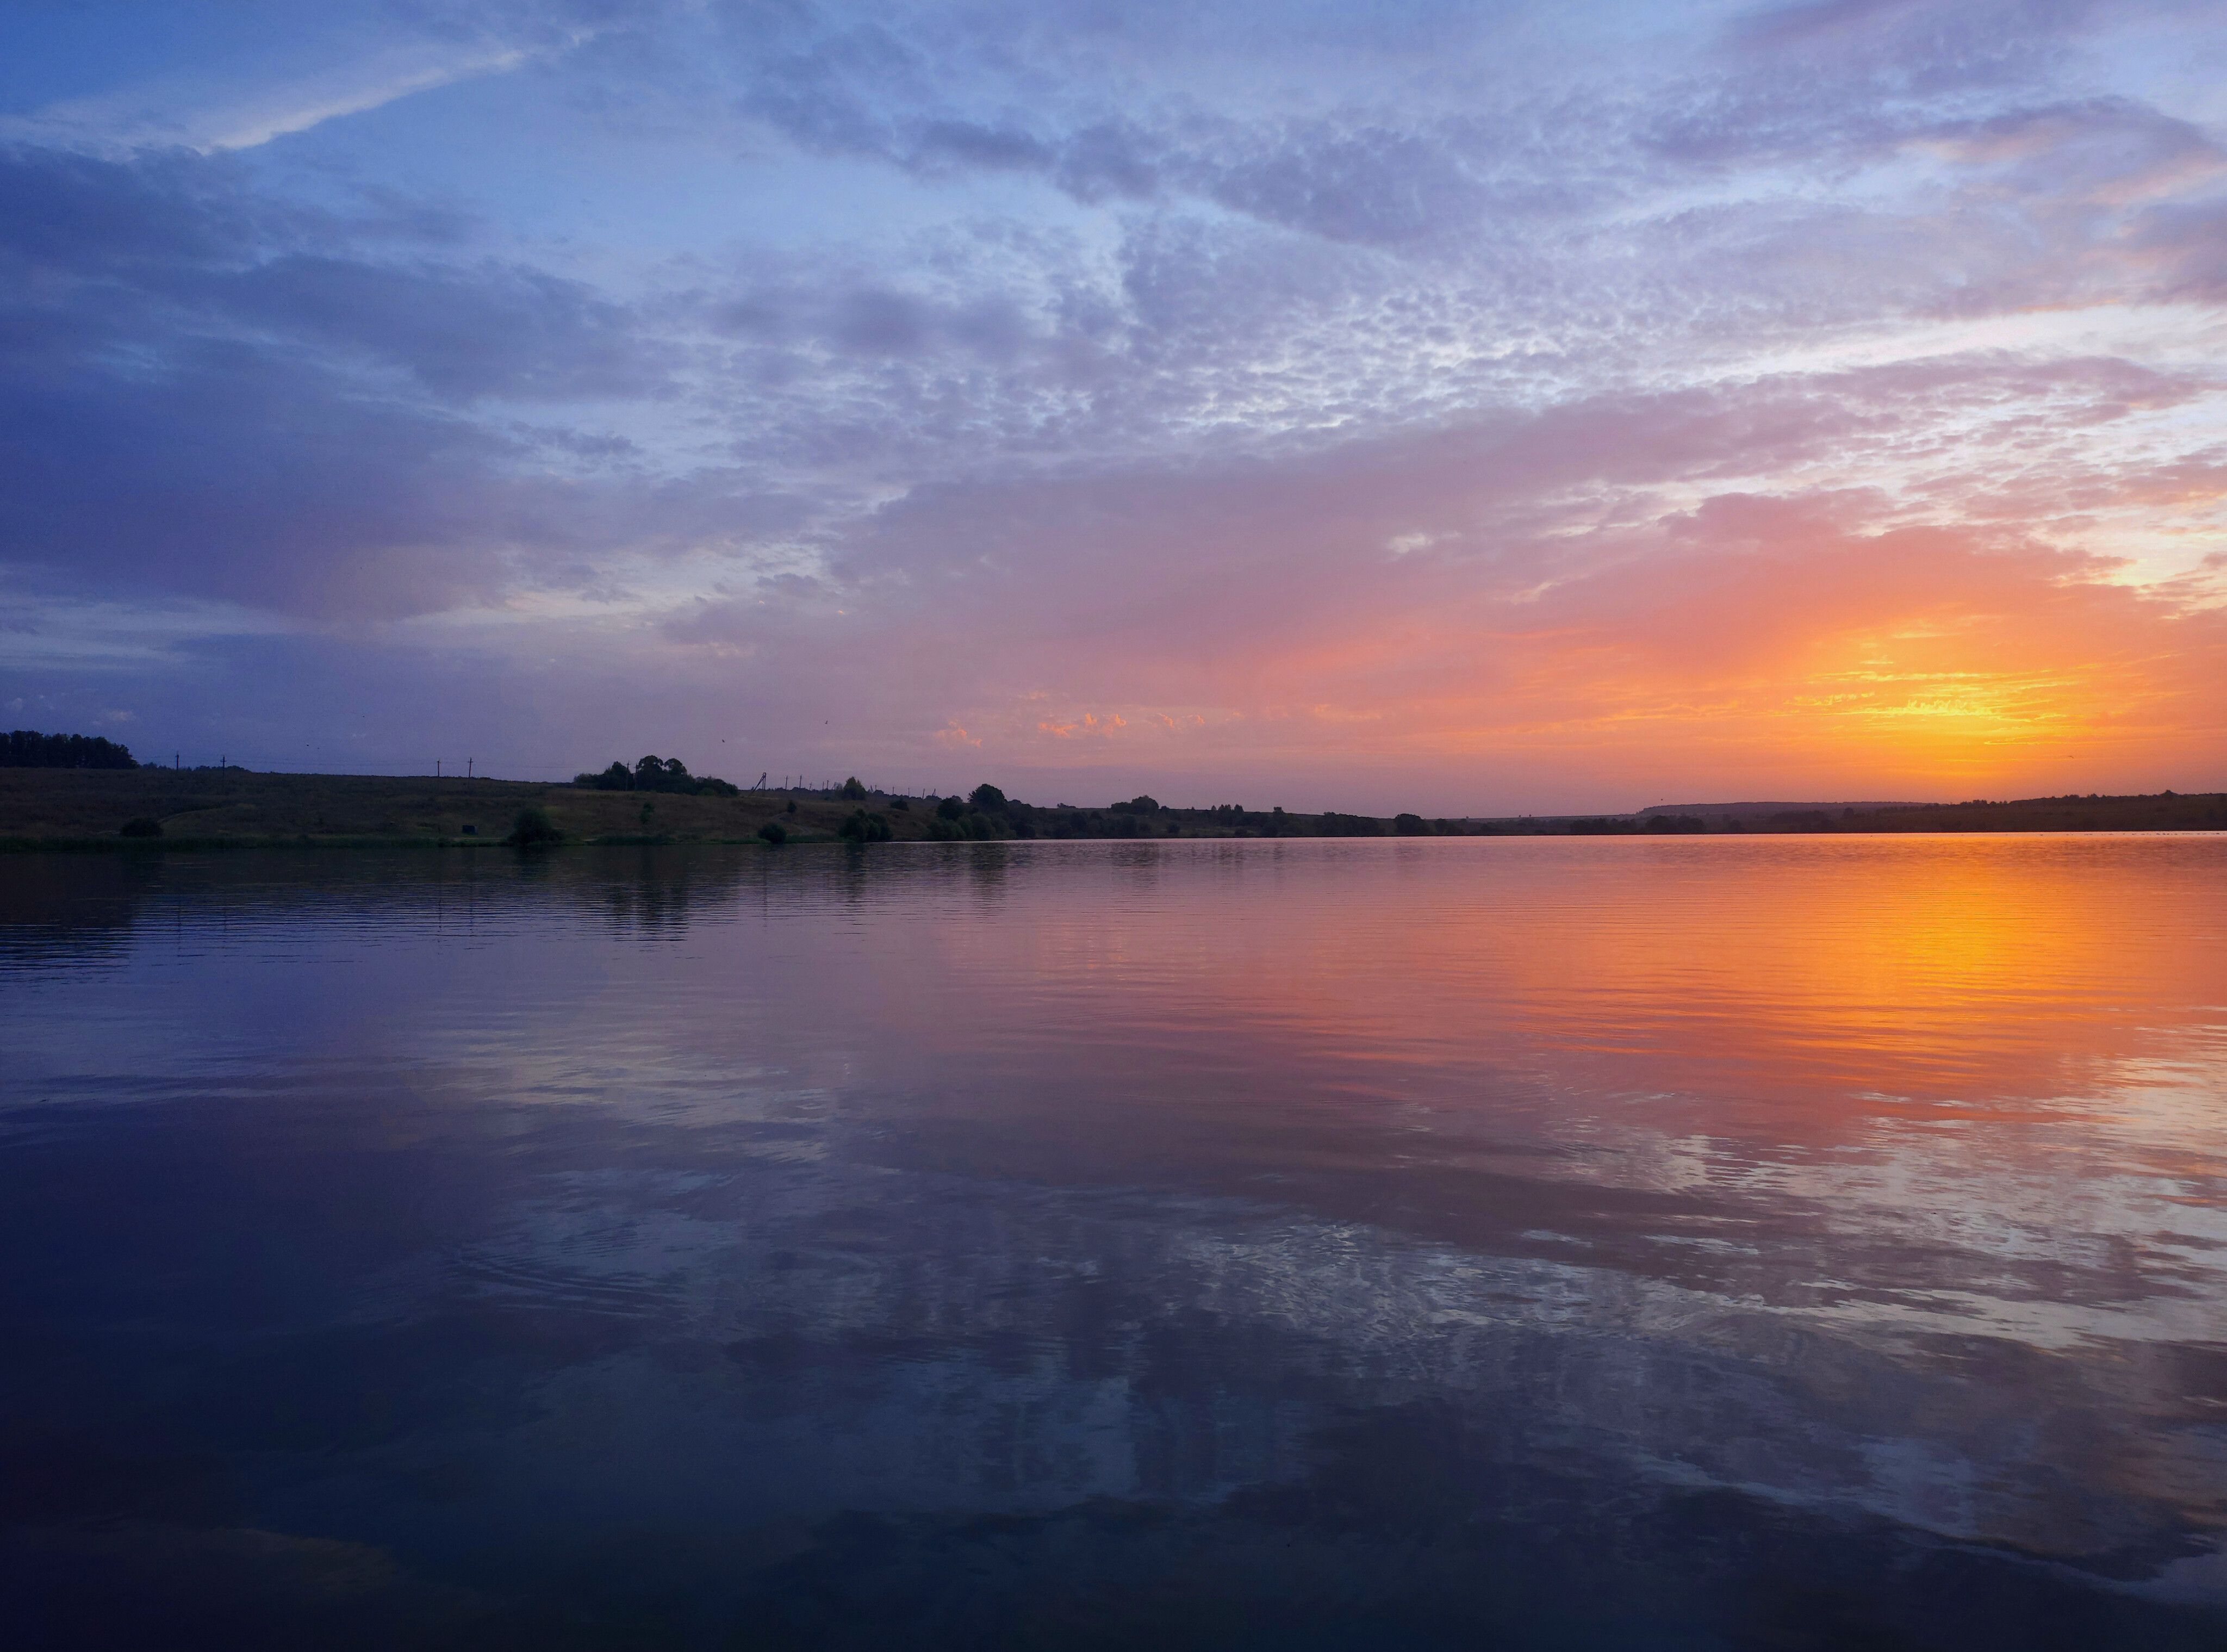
1762	811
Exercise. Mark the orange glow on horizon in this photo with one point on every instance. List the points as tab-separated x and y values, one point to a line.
1857	667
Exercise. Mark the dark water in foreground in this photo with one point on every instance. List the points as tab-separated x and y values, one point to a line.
1779	1243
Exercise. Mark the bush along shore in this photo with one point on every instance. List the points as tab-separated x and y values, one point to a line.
149	807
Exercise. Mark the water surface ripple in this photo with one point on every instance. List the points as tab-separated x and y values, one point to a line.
1722	1243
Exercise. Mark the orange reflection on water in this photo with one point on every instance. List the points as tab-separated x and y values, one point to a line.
1884	1174
1974	969
1859	1068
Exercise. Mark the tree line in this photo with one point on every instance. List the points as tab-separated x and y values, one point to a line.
28	748
655	773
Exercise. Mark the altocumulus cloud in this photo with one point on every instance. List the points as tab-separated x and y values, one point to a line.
1494	407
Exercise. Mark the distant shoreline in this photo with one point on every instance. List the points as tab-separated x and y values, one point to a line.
69	809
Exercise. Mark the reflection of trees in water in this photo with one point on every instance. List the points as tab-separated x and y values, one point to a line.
53	905
57	906
655	891
1138	866
860	874
988	865
86	905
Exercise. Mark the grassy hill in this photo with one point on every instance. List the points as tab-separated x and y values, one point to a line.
86	807
235	806
53	807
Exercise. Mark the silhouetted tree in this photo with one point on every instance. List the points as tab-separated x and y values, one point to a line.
863	827
654	774
27	748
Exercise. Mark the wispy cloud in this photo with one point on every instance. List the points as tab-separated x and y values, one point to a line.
1507	403
211	117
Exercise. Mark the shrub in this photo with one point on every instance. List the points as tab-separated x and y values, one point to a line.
774	833
142	828
533	828
950	809
792	806
903	806
863	827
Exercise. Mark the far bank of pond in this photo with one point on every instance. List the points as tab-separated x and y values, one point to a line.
86	808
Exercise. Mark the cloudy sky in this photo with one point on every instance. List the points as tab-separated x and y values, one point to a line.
1466	407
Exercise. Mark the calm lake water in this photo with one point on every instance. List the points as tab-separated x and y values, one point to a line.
1525	1243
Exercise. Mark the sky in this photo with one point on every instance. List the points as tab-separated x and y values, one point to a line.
1469	408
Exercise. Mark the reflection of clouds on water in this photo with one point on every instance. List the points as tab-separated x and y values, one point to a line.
1409	1215
940	1347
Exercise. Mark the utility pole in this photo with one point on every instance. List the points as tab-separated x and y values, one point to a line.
436	768
468	768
